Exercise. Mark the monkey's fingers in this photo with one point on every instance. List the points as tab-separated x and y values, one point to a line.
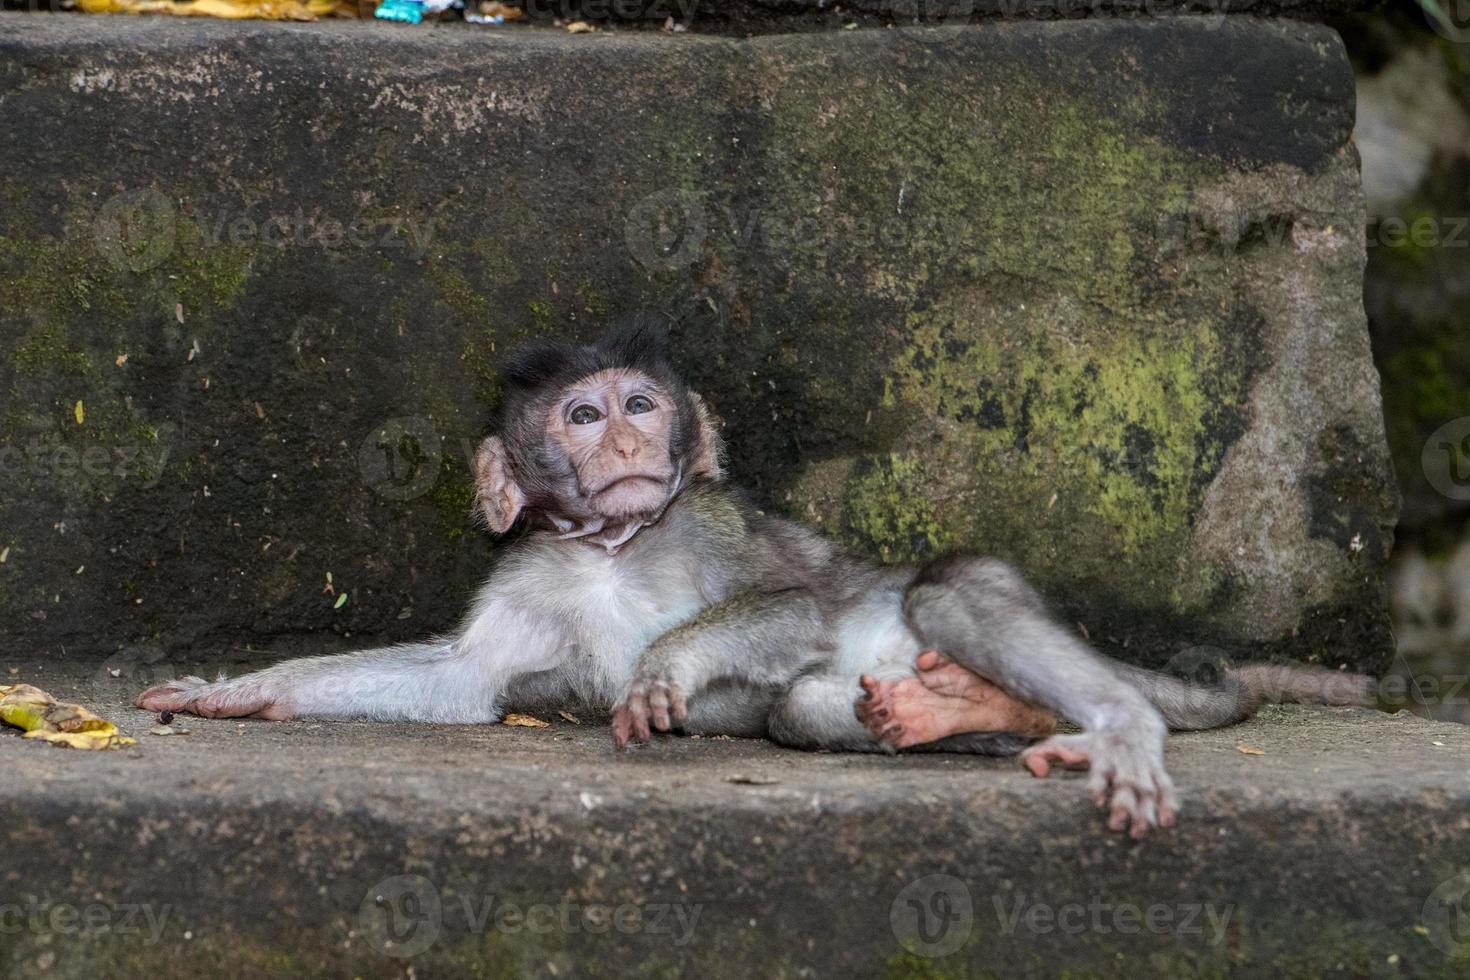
658	705
622	725
638	711
171	696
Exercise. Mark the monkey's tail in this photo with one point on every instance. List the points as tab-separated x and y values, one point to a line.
1241	692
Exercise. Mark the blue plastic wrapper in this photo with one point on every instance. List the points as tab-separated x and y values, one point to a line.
407	11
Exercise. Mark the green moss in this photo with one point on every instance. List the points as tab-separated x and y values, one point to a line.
46	350
543	315
453	496
887	511
208	276
453	291
911	966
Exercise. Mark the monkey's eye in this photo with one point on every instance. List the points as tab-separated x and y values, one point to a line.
638	404
584	415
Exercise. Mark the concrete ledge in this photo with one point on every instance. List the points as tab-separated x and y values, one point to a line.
258	850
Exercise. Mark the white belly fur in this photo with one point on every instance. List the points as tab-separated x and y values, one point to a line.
872	638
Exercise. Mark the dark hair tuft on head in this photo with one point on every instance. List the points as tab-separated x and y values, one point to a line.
640	341
536	365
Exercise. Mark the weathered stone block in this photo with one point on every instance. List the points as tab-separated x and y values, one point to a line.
1039	290
299	850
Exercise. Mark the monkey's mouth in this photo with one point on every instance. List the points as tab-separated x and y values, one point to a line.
633	482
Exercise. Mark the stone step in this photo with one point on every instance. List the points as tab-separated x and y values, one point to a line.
1313	843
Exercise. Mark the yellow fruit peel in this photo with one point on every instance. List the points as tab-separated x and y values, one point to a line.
227	9
42	717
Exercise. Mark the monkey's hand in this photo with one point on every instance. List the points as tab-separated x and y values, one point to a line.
238	698
655	697
1127	774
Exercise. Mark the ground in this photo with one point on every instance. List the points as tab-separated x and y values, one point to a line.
277	849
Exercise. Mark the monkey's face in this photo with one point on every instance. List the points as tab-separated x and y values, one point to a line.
615	428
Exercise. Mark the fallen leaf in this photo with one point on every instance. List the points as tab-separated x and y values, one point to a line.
524	721
79	412
121	360
1250	750
179	312
568	716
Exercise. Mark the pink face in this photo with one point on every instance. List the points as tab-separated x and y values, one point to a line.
615	427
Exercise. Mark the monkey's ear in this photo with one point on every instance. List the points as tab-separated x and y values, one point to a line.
709	459
499	496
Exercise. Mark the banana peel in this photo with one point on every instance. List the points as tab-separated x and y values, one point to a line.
45	718
227	9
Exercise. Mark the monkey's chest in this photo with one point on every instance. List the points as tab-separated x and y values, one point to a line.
617	610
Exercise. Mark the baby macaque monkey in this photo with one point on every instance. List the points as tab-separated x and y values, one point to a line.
646	584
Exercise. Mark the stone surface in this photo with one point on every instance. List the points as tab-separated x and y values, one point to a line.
1036	290
1340	849
785	16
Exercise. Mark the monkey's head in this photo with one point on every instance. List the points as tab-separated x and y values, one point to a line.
596	436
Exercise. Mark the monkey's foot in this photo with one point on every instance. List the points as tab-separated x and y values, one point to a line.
221	699
1127	774
944	699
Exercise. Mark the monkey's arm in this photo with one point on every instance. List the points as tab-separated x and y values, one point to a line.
765	639
457	680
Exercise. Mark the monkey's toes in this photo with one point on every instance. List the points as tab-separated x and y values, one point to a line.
1038	758
175	695
1134	787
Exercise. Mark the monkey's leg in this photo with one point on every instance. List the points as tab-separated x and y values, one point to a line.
764	639
457	680
382	684
983	615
